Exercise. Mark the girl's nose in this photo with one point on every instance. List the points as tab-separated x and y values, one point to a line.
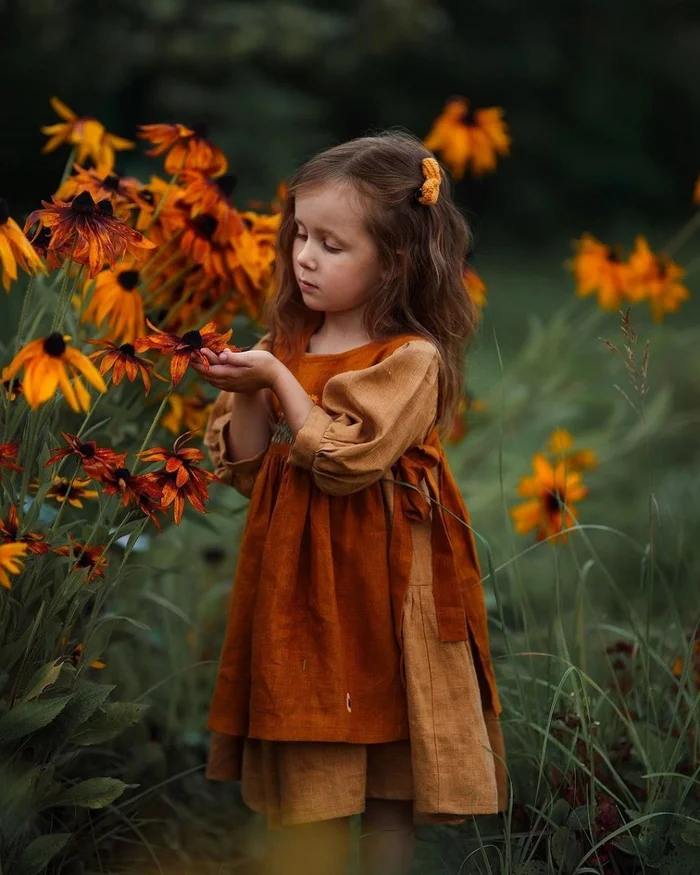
304	257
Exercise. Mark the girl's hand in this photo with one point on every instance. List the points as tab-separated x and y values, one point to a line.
238	371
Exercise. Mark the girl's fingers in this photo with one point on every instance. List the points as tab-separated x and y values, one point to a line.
210	356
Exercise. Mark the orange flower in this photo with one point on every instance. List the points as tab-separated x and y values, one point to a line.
655	278
73	491
101	186
90	559
599	268
141	490
116	297
15	249
9	532
7	453
90	455
180	480
189	148
87	134
182	348
48	363
77	654
464	138
552	492
157	195
11	562
123	360
475	287
560	443
679	665
87	232
205	194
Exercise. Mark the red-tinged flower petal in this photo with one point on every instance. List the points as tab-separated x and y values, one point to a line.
178	366
178	509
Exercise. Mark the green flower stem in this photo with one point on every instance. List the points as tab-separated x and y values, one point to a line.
156	419
180	304
65	301
164	197
69	165
54	524
149	270
173	281
25	311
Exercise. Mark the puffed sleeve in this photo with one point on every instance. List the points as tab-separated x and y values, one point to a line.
242	473
368	418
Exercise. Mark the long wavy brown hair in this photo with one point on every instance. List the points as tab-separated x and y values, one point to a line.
422	248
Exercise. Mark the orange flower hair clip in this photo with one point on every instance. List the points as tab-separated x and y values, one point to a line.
429	192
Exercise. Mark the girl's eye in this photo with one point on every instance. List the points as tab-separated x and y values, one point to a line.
328	248
331	248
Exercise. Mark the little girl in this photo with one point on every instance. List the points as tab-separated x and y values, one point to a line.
355	675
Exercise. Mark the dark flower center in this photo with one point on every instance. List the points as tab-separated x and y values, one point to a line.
105	207
43	238
205	225
122	474
554	501
111	181
85	560
128	349
147	195
54	345
193	339
4	211
201	130
227	183
247	222
62	488
128	279
83	203
87	451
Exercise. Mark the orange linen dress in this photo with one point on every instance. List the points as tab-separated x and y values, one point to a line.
356	659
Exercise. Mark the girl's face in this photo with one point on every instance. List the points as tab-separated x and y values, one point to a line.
333	252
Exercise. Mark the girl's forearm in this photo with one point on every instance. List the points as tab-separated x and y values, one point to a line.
293	399
248	431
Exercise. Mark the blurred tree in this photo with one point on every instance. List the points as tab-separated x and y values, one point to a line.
602	99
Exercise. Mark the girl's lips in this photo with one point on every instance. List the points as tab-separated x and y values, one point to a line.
306	285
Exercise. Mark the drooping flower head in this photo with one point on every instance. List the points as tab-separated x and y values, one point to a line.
74	491
90	559
87	232
122	360
187	148
9	532
468	139
657	279
49	363
90	455
15	249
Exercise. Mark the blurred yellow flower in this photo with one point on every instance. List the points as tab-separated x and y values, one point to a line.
90	138
11	561
73	491
15	249
187	412
560	443
464	138
552	491
117	298
48	364
655	278
599	269
475	286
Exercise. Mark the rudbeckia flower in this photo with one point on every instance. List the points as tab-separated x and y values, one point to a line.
655	278
15	249
551	491
101	186
88	232
90	455
206	194
73	491
181	479
87	558
116	298
560	446
189	148
141	490
122	360
475	287
599	269
49	363
8	452
87	134
11	562
182	348
9	531
158	195
463	138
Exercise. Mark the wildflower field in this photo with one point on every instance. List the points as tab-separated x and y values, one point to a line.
576	448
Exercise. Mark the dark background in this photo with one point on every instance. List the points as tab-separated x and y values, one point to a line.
602	98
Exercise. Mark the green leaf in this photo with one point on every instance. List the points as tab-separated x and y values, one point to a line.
86	699
112	719
39	853
45	677
566	850
534	867
27	717
97	642
94	793
691	835
560	812
10	653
